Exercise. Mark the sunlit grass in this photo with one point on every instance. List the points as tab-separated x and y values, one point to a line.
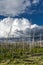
20	55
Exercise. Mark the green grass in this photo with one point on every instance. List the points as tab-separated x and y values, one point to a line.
19	55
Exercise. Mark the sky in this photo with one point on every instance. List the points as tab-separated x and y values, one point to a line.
18	16
29	9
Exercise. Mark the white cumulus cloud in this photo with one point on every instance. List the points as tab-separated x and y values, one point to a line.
10	26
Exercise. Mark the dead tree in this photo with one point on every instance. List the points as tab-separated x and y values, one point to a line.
33	41
40	40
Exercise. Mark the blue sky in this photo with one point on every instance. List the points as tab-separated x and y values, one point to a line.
30	9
